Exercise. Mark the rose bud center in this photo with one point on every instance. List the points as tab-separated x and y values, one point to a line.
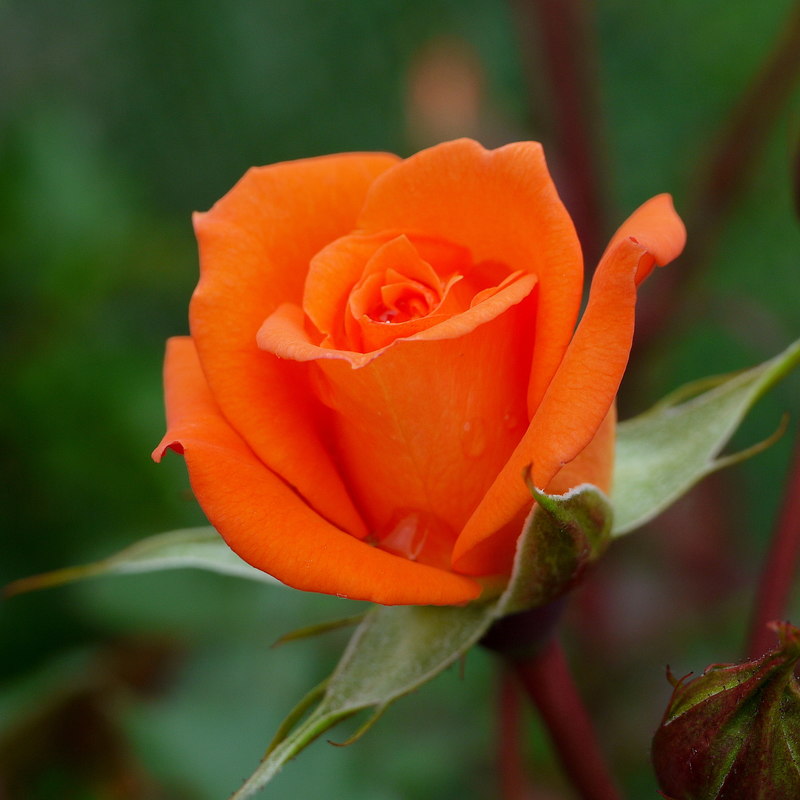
422	357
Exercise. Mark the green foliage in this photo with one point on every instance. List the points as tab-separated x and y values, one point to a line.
201	548
118	120
661	454
396	650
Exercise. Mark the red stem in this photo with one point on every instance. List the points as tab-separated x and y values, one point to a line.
561	30
514	783
737	149
547	681
779	570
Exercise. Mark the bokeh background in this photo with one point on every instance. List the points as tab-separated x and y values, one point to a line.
117	119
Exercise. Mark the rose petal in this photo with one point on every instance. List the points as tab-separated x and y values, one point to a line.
503	206
584	387
427	426
267	523
338	268
332	274
378	335
594	464
284	335
395	274
283	332
255	245
656	226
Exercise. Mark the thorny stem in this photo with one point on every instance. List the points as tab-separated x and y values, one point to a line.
780	567
513	779
547	681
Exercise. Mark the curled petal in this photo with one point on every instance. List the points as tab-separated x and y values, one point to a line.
267	523
582	391
332	274
655	226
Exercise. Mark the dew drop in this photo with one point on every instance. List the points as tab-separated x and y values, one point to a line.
512	421
419	536
473	438
407	536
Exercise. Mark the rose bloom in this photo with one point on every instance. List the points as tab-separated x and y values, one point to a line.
380	347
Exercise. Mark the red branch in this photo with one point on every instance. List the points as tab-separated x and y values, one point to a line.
547	681
780	568
561	30
738	147
513	779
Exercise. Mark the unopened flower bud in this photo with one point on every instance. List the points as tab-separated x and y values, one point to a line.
733	733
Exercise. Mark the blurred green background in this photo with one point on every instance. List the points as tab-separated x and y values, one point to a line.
117	119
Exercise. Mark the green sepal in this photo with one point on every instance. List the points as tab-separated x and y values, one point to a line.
317	629
562	537
662	453
397	649
200	548
734	731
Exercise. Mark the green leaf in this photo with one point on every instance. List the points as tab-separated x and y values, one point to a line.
393	652
201	548
397	649
662	453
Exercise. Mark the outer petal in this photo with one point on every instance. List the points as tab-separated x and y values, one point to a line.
594	464
266	523
255	246
503	206
583	389
654	224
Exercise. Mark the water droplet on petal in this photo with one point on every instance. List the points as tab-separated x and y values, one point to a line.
513	421
419	536
407	537
473	438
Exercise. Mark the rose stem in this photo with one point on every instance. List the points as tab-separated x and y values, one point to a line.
513	779
547	681
562	31
739	144
780	566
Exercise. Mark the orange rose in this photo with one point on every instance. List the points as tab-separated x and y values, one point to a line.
379	348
